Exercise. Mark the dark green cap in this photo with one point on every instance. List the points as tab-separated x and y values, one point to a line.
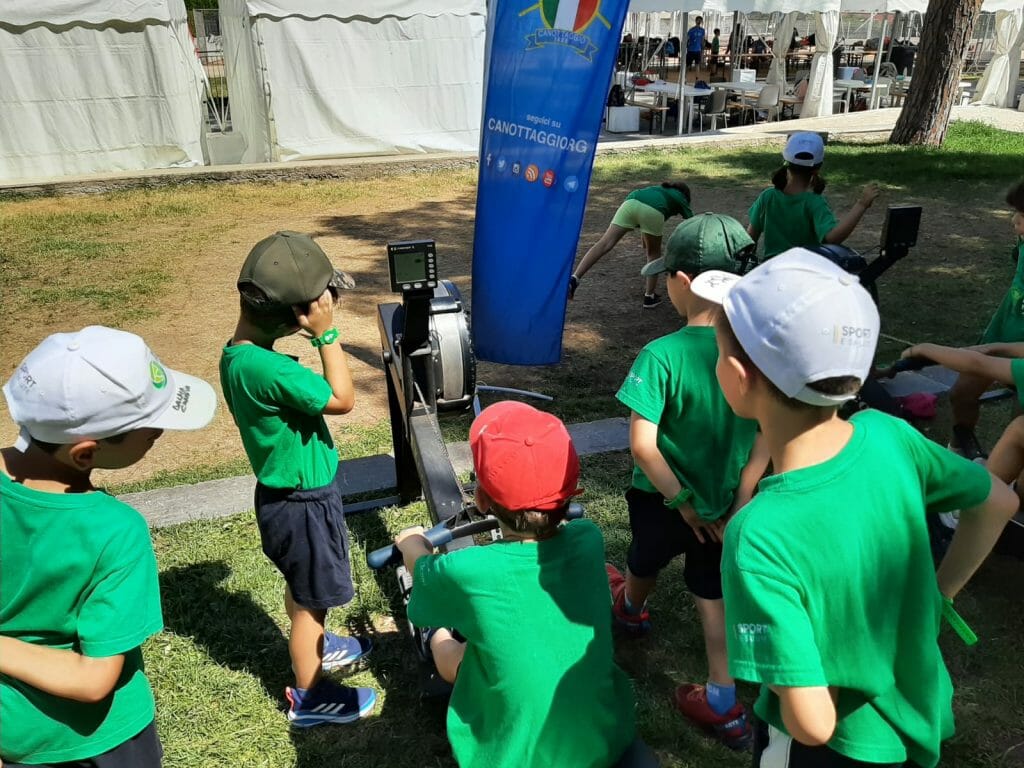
290	268
706	241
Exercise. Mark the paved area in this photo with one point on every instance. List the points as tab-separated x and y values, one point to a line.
373	475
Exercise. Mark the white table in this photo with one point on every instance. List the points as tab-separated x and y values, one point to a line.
666	88
850	86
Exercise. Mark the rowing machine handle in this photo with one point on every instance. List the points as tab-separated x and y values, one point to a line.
440	535
908	364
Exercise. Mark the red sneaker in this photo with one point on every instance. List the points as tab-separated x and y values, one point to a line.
636	624
732	728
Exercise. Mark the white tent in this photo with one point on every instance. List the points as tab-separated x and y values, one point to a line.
89	87
321	78
998	84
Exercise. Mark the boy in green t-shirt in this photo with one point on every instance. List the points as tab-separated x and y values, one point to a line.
536	684
78	580
288	284
694	466
793	212
1005	327
831	597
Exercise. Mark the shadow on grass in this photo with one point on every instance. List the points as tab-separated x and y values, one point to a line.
236	633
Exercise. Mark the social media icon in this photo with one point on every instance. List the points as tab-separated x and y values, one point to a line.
549	178
516	168
571	183
489	158
532	172
502	163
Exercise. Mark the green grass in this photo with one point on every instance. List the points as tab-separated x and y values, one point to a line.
221	665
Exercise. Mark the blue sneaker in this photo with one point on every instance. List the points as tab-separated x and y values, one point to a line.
328	702
342	652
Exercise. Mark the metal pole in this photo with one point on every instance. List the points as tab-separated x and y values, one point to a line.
684	46
878	67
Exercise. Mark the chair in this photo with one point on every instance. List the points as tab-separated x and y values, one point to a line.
717	109
839	100
767	101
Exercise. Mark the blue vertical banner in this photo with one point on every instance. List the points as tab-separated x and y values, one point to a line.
550	67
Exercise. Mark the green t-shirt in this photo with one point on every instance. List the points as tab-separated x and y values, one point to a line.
278	406
77	571
789	221
828	580
715	45
673	384
538	686
1007	324
667	201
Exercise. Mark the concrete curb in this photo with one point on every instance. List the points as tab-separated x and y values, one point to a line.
374	474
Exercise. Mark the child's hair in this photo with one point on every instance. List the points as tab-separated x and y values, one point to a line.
52	448
266	314
806	173
531	522
1015	196
718	31
700	20
678	186
834	386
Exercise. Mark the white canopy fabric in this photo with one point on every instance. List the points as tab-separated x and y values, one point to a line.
998	84
309	81
100	94
58	13
349	9
818	101
777	71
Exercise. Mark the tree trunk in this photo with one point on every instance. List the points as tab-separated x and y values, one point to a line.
940	60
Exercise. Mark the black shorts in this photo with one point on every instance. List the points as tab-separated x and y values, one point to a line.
692	59
141	751
305	536
660	534
774	749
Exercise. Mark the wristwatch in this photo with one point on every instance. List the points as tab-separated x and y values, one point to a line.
327	337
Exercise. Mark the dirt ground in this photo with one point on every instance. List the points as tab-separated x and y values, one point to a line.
193	313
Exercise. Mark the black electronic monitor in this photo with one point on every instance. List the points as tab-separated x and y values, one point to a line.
412	266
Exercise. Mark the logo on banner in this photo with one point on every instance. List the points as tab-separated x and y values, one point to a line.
565	21
532	172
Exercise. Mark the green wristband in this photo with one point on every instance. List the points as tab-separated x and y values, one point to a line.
684	495
957	622
327	337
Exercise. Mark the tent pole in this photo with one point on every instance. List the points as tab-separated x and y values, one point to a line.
680	103
877	69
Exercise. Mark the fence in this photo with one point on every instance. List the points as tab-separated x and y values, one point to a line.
210	50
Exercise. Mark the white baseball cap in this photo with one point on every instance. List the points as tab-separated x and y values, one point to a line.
800	319
713	285
101	382
804	148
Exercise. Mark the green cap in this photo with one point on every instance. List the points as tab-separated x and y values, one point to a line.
290	268
707	241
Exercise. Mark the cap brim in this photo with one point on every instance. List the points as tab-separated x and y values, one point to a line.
192	405
714	285
653	268
341	281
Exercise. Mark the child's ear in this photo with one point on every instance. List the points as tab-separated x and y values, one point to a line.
83	455
743	374
685	278
483	501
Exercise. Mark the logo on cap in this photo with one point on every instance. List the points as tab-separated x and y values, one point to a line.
157	375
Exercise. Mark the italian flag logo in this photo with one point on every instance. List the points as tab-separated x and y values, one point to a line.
570	15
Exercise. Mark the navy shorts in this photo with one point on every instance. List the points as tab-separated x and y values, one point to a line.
775	749
141	751
692	59
305	536
660	534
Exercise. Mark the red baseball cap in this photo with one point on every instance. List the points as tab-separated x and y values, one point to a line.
524	458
